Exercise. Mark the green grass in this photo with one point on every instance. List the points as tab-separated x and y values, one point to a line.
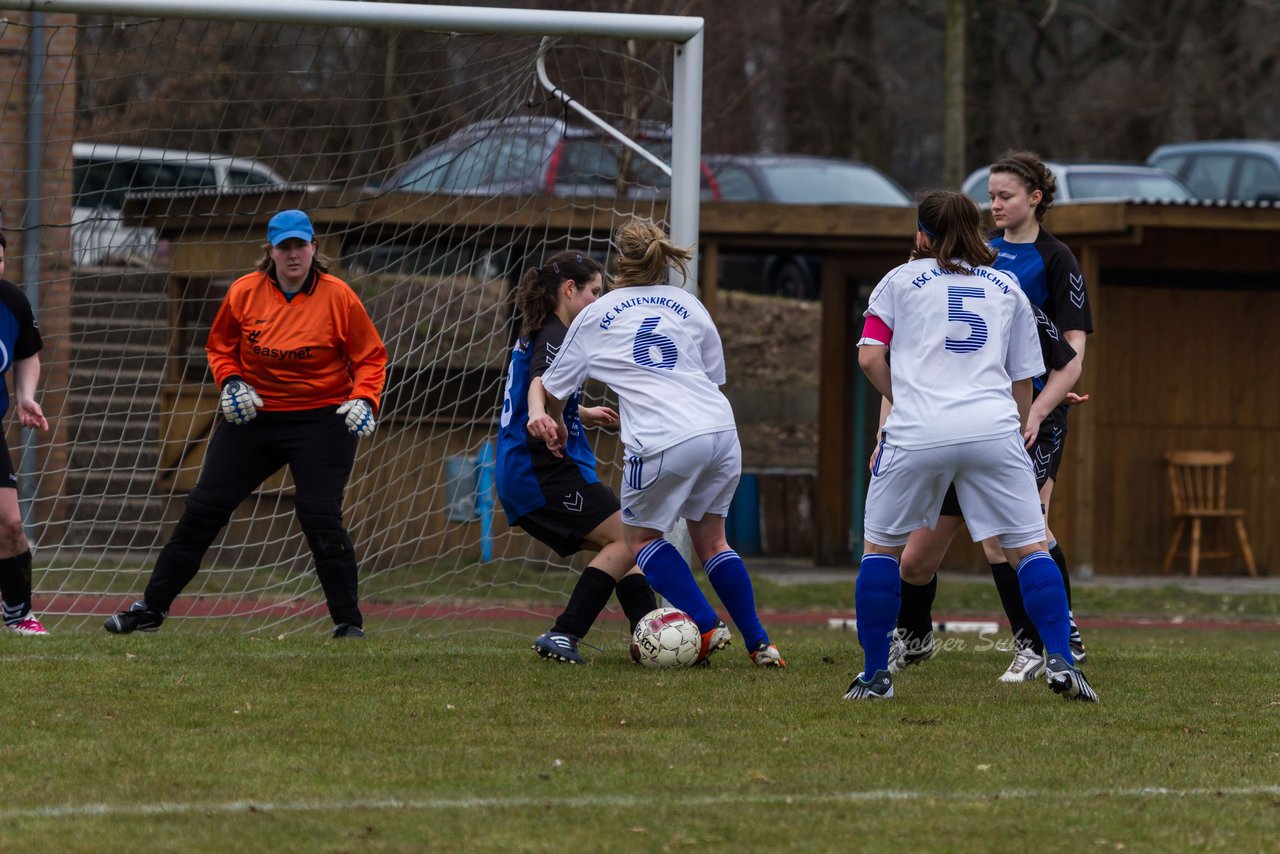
529	583
398	744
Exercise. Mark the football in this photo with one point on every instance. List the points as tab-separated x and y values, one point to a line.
666	638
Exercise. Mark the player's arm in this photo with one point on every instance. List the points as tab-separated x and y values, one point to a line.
885	408
1056	385
1076	338
541	424
873	356
26	378
1022	397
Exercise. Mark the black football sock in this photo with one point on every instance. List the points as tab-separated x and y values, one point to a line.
587	600
915	614
15	586
636	597
1055	552
1024	631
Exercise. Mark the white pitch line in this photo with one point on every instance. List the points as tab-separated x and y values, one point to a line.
614	801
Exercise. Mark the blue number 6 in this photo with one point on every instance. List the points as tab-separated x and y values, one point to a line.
956	311
646	339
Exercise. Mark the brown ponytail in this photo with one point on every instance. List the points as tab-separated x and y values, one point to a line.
950	221
1031	171
539	291
645	254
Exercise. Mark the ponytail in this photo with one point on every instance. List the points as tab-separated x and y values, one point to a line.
645	254
950	221
538	293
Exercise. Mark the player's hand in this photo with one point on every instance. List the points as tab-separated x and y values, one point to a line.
598	416
1032	429
543	428
239	402
31	415
557	444
875	452
1076	399
359	414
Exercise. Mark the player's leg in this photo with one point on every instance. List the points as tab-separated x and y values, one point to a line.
905	495
321	453
237	459
590	520
1046	601
635	596
998	491
654	492
1028	650
923	554
15	555
1055	552
705	510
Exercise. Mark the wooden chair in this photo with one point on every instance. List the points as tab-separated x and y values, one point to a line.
1198	480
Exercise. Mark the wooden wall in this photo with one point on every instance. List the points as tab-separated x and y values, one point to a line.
1175	368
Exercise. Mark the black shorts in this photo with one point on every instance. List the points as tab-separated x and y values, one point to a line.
1045	454
8	474
569	515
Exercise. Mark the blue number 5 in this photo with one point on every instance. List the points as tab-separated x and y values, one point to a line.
647	339
956	311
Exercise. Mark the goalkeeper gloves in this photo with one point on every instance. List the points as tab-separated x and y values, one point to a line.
359	416
239	402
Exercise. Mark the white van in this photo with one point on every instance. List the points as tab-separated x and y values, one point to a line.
104	172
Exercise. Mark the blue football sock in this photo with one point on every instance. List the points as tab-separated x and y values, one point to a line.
1045	599
671	577
876	598
729	577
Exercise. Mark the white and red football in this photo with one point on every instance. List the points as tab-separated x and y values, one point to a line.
666	638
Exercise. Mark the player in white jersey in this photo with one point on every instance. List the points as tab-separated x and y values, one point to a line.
964	351
656	346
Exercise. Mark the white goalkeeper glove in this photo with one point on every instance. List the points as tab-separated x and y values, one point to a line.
239	402
359	416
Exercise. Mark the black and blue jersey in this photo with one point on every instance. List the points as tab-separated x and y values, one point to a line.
526	469
19	333
1050	277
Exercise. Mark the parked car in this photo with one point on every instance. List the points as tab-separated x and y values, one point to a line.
1092	181
793	179
536	155
1231	169
103	173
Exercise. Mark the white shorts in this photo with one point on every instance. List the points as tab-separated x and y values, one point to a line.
994	482
686	481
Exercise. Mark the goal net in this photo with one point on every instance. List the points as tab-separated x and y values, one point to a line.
437	166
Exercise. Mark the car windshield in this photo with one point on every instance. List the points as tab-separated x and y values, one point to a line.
104	183
1124	185
830	183
588	161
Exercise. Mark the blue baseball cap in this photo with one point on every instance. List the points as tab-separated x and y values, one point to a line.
288	224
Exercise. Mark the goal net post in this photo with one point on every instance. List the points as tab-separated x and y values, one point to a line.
156	139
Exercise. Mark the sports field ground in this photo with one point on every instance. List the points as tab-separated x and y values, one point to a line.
187	740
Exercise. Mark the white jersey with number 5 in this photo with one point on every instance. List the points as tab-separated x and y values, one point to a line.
959	341
657	348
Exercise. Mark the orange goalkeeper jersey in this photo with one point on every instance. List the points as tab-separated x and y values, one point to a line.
317	349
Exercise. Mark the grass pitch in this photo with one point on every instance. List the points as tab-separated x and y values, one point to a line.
197	742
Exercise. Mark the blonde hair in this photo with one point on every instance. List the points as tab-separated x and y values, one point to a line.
645	254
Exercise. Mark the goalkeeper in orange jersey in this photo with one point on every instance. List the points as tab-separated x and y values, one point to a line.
301	369
20	347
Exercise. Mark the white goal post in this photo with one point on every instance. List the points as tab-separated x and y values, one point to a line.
160	135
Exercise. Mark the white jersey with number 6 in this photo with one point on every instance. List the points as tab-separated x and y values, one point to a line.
959	341
658	349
